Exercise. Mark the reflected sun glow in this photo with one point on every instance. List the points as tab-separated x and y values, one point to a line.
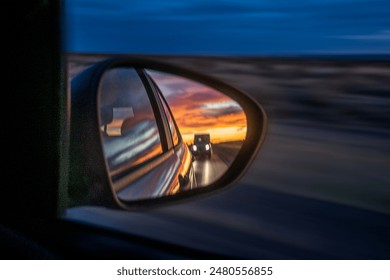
200	109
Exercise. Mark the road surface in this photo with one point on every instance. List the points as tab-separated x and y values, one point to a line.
209	170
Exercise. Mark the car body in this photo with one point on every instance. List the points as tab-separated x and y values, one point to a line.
144	135
202	146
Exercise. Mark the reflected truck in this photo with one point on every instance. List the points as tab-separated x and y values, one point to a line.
202	146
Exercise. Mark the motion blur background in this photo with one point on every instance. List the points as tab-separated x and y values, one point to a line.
321	70
221	27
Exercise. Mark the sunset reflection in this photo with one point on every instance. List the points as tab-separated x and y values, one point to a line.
200	109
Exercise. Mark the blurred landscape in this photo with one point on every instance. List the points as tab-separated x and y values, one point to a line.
329	122
321	181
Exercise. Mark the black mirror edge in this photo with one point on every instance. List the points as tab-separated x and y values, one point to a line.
87	147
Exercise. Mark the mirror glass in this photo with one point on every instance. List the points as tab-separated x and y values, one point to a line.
163	134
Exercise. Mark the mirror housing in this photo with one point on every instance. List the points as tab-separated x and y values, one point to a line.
90	182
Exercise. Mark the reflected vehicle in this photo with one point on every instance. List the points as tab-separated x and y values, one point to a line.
202	146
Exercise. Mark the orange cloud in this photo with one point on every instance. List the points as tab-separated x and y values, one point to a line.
200	109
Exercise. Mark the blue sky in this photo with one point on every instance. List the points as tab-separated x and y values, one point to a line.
228	27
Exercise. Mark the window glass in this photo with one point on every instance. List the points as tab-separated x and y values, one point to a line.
129	129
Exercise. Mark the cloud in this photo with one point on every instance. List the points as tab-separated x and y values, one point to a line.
199	108
214	112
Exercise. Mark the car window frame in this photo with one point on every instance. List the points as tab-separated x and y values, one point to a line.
162	99
153	93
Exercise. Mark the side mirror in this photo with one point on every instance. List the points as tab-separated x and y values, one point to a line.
145	133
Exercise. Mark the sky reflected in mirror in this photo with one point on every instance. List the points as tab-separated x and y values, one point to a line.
201	109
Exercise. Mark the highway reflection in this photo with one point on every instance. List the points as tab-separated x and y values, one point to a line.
208	171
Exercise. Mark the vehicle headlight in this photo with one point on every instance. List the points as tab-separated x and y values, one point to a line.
195	148
207	147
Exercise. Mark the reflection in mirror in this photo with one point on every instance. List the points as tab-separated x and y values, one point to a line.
211	124
163	134
129	130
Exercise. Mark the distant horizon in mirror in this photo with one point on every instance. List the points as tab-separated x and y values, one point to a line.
228	27
199	109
